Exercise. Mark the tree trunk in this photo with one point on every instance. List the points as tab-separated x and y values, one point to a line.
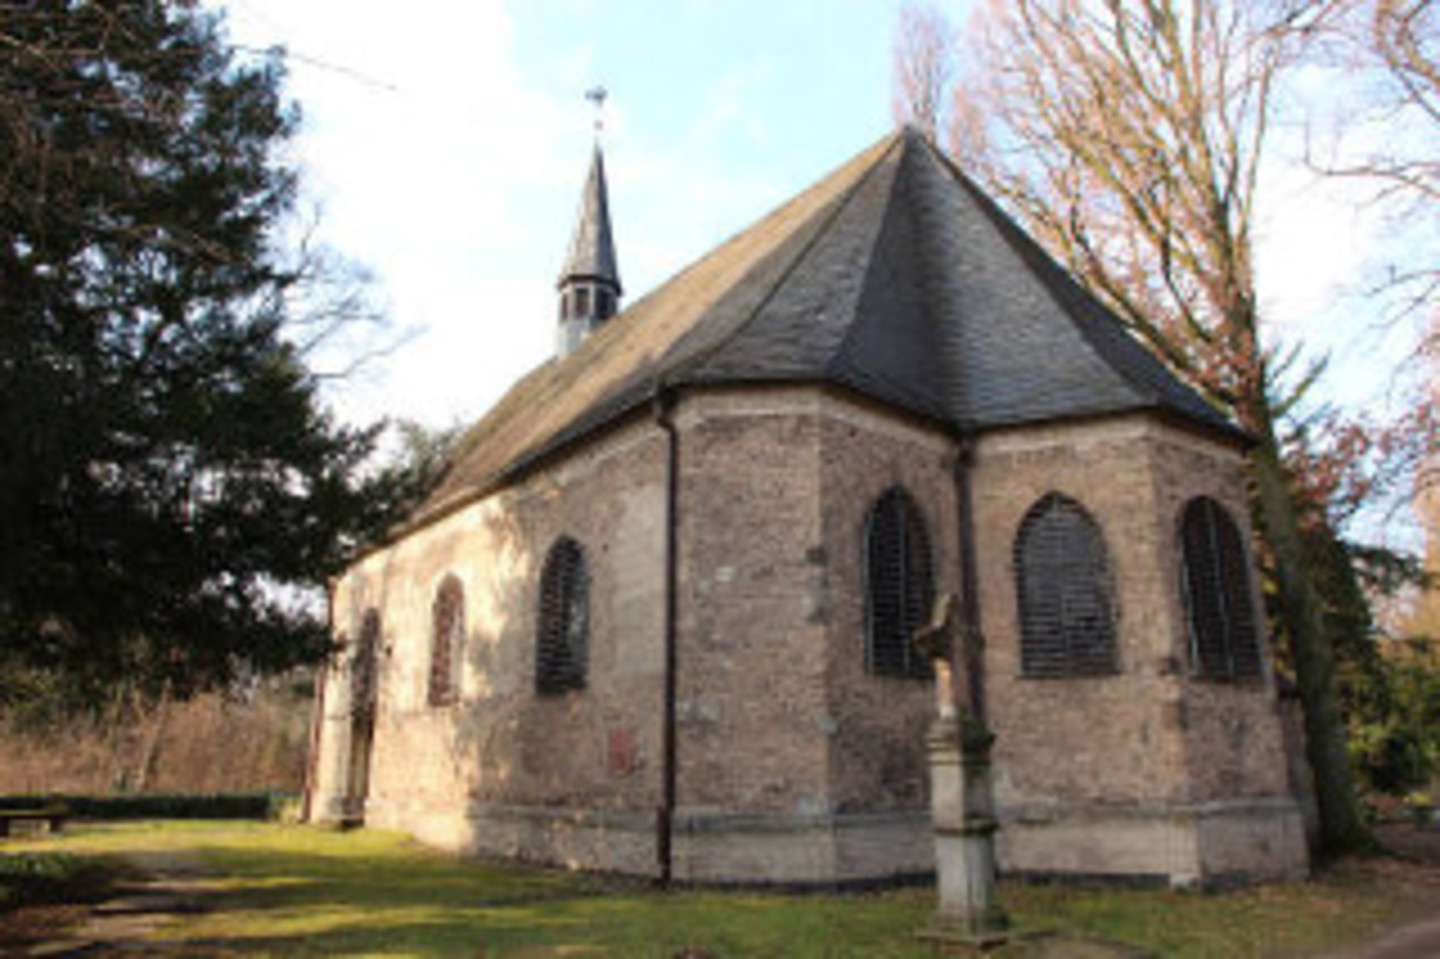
151	739
1341	826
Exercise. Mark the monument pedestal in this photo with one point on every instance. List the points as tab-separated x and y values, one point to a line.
963	813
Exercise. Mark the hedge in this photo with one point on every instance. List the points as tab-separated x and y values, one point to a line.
158	806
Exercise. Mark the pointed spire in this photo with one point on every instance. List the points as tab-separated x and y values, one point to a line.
592	248
590	280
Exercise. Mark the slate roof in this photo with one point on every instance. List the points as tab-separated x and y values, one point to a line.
894	277
592	247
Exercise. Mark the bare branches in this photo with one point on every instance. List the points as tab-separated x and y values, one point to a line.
1387	143
1128	136
924	67
1406	34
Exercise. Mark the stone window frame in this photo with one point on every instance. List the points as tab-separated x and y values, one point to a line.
1221	621
562	619
899	569
447	637
1067	606
365	663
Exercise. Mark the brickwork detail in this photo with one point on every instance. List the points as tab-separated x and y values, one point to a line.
797	764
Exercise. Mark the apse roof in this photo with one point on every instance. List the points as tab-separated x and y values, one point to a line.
894	277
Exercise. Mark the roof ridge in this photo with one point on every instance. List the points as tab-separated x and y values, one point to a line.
679	371
841	364
1039	259
1097	324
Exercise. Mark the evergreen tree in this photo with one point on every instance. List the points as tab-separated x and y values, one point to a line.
171	489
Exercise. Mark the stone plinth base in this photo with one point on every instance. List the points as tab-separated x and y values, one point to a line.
1179	844
963	812
947	933
708	846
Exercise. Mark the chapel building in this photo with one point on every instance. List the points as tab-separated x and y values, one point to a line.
657	616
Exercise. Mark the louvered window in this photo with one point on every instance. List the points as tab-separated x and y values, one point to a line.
899	585
363	665
564	616
1063	581
1216	585
448	629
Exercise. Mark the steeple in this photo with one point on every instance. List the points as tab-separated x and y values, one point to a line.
590	281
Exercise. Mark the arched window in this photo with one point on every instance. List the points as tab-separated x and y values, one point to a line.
899	585
363	666
448	618
1215	583
1063	583
564	615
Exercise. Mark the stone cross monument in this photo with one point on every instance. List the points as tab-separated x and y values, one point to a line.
961	803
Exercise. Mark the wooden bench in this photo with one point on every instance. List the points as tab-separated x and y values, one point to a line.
54	818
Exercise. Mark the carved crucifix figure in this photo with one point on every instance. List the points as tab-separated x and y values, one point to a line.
951	641
936	641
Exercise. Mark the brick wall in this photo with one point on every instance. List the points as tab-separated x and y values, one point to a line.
595	748
877	723
1109	739
751	681
1233	731
794	762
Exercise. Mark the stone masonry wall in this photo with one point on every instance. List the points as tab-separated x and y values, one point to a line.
751	682
877	724
795	764
595	748
1234	735
1091	773
1103	740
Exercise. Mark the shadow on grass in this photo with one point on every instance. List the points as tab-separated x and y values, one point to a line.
295	892
393	899
599	926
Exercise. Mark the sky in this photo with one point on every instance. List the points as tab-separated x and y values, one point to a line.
444	146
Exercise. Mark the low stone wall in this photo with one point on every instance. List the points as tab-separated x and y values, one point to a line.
1260	839
1174	844
1178	845
707	847
803	850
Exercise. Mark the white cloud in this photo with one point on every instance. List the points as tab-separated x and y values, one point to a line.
423	146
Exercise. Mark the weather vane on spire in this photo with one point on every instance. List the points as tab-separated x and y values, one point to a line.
597	95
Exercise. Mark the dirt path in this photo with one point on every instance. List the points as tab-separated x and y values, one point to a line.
164	886
1420	871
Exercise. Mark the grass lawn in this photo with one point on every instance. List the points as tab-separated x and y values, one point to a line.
281	890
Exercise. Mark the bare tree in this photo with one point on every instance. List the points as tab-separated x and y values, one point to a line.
924	65
1128	137
1386	136
1407	39
1404	36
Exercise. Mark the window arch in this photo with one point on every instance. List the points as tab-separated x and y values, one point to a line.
447	633
564	619
1063	583
1215	584
899	585
363	691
